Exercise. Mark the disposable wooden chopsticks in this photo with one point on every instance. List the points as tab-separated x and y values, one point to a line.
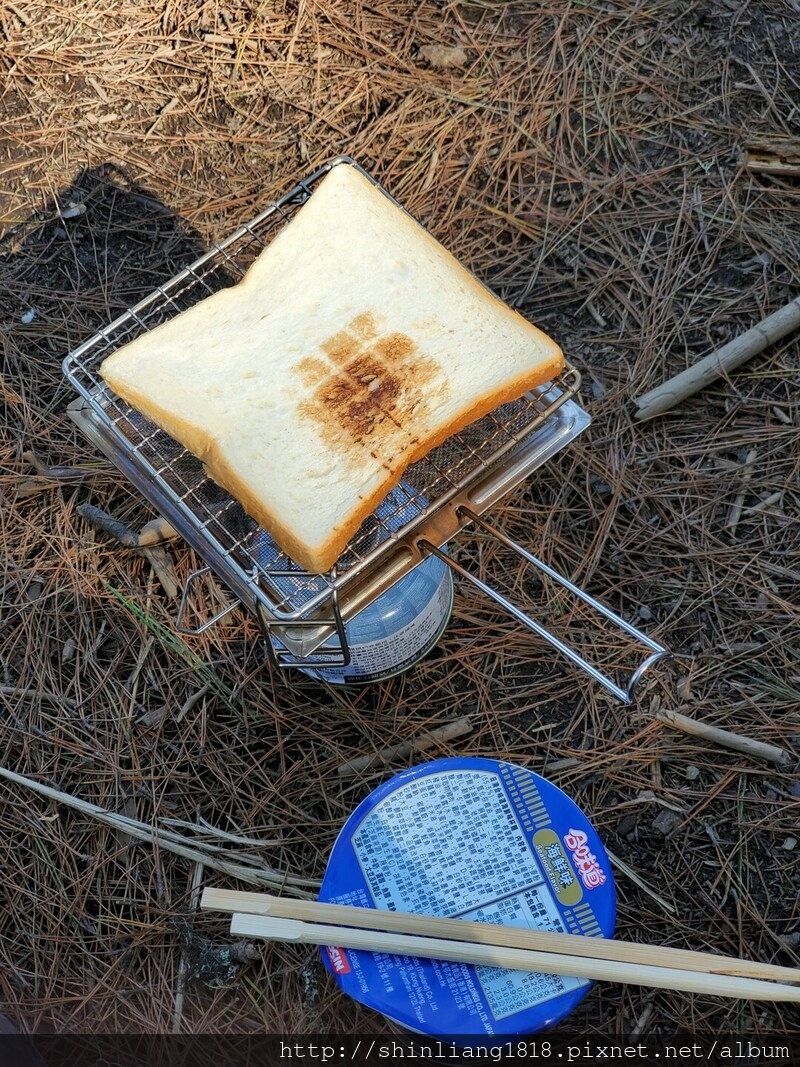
521	959
526	949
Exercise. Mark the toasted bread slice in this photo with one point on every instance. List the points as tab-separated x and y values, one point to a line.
353	346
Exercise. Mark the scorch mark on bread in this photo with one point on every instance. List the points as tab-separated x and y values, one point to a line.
370	381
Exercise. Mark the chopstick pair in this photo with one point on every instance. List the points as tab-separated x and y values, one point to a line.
310	922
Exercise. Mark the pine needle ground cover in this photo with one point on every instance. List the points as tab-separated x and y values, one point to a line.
588	161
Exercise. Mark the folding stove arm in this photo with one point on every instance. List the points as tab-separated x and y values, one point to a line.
624	694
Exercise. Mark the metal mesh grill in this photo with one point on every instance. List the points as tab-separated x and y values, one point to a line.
287	592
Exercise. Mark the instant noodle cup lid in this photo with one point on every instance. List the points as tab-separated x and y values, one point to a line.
473	839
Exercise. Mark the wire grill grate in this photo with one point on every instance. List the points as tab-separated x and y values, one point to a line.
175	481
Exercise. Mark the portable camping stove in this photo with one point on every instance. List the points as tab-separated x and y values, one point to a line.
305	616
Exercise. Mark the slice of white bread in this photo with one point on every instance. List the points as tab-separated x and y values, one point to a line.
352	347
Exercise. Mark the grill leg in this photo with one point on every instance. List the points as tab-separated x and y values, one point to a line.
625	694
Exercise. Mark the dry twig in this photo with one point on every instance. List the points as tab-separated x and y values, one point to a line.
420	743
255	874
148	542
733	354
726	738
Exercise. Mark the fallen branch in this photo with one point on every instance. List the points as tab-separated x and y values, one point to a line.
722	737
773	155
46	476
731	355
148	542
406	748
36	694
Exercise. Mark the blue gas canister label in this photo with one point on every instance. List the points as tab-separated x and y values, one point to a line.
474	839
397	629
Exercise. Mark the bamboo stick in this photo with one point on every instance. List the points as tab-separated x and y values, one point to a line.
698	376
270	928
491	934
726	738
419	743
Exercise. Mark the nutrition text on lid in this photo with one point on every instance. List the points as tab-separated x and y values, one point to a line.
365	1050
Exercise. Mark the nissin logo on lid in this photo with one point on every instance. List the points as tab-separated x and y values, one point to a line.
339	961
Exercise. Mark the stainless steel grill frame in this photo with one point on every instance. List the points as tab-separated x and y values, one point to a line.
442	493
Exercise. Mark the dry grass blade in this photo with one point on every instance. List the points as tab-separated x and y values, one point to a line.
200	853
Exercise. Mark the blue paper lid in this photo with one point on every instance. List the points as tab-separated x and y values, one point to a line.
474	839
